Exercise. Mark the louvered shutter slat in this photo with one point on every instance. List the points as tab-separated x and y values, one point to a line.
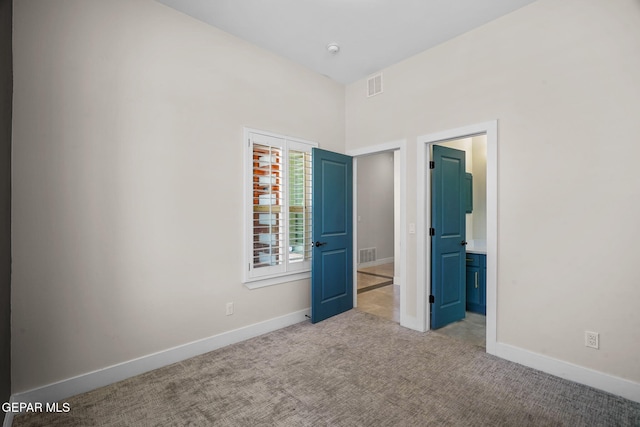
268	232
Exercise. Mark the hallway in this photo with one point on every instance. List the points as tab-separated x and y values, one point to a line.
376	292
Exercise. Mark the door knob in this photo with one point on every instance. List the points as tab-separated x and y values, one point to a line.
318	244
463	243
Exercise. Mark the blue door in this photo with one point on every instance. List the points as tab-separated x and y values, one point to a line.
448	263
332	234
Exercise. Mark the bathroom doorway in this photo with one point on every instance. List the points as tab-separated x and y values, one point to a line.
490	130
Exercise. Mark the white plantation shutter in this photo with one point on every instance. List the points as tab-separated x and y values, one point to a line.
279	206
267	217
299	187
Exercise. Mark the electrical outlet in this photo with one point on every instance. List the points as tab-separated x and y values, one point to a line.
592	339
229	308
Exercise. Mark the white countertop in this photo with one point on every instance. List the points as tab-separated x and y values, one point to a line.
477	247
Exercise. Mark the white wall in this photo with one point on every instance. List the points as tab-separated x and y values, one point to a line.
127	156
6	88
375	203
479	171
562	80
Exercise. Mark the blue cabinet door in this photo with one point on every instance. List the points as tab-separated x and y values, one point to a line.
468	181
332	234
476	283
448	202
473	288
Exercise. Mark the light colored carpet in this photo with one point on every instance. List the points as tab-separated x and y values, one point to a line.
354	369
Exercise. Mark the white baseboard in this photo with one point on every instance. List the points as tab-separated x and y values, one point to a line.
109	375
376	262
579	374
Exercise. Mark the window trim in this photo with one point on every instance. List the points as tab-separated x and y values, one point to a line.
289	274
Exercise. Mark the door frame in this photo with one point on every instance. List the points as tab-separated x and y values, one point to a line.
401	258
490	129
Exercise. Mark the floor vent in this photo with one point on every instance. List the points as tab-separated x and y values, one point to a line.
367	255
374	85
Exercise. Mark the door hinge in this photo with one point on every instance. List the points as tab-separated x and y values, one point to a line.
432	231
432	299
432	164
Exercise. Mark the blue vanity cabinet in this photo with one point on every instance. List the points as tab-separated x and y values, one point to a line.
476	283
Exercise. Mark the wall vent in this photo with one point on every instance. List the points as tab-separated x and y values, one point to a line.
367	255
374	85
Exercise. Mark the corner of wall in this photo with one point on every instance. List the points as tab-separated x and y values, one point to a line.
6	100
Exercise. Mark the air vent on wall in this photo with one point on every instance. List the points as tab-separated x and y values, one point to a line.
367	255
374	85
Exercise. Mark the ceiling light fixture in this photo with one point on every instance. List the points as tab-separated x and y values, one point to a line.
333	48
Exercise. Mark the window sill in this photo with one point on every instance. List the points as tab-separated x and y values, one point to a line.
263	283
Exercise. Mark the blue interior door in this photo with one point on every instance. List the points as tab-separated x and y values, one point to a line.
448	264
332	233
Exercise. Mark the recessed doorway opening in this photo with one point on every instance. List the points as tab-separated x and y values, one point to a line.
377	219
489	130
377	265
462	289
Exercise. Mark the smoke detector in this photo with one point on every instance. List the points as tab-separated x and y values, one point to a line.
333	48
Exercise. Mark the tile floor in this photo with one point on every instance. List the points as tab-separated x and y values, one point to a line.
471	329
374	277
384	270
379	296
383	302
376	292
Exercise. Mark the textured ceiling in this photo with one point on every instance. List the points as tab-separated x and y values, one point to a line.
372	34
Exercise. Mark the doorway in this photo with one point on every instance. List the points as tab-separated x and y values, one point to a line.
398	149
378	214
489	129
458	274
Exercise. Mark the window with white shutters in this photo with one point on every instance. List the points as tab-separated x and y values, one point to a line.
299	207
278	206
